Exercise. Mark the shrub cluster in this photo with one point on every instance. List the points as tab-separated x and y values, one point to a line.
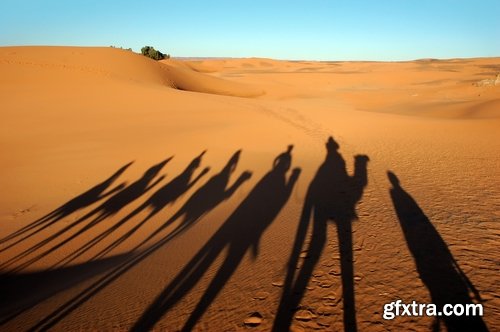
121	48
150	52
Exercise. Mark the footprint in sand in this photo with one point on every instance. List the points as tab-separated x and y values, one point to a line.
319	274
330	300
334	272
254	319
304	315
326	284
261	295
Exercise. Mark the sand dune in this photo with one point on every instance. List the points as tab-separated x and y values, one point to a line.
238	194
81	63
78	65
183	77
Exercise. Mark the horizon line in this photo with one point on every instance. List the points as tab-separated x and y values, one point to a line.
183	57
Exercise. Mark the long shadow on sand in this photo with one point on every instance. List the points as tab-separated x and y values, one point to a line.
82	201
332	195
107	209
164	196
239	233
203	200
21	291
439	271
214	190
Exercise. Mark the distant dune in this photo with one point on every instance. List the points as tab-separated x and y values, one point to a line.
237	194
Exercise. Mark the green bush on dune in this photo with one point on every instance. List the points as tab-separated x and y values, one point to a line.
150	52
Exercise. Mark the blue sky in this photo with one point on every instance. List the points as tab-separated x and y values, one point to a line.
315	30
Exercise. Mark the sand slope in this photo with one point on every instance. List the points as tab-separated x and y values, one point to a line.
143	194
83	65
183	77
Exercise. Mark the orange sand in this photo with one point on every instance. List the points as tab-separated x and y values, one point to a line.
72	117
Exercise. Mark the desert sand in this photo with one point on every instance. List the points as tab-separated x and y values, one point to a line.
245	194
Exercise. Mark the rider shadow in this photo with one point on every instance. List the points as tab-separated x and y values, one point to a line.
212	193
107	209
164	196
204	199
332	195
240	233
437	267
82	201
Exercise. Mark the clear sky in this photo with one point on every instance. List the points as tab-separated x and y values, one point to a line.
316	30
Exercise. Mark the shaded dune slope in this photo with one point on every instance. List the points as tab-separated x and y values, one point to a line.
183	77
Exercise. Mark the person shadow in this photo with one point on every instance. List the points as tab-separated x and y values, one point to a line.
240	233
331	195
436	266
82	201
164	196
107	209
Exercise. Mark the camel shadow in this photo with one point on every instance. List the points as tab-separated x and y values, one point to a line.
82	201
214	191
107	209
240	233
208	196
332	195
164	196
